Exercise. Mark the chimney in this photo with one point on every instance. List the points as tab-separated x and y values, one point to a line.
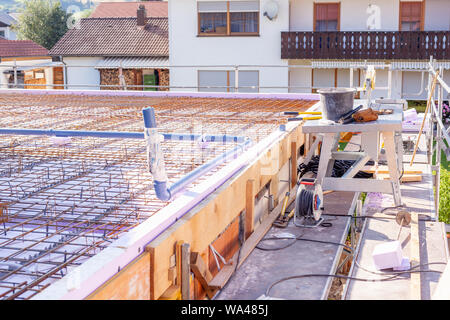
141	16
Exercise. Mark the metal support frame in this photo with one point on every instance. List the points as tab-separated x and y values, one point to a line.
346	182
387	128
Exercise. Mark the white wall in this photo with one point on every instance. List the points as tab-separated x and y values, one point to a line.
326	78
300	77
354	16
3	79
411	84
437	15
411	81
9	34
86	75
186	48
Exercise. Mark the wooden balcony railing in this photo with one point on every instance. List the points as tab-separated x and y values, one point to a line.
366	45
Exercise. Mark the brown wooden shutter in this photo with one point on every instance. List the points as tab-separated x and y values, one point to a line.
326	12
411	11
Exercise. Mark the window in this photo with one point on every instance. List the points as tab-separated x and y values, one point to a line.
411	16
2	33
227	18
248	81
223	81
334	78
212	17
213	79
326	16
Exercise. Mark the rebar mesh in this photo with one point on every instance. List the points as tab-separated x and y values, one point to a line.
61	204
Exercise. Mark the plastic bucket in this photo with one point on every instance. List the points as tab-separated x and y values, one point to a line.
336	102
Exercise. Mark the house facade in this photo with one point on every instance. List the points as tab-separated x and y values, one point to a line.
302	45
25	64
117	49
214	33
6	23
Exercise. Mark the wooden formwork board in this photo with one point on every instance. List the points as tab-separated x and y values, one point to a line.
203	224
131	283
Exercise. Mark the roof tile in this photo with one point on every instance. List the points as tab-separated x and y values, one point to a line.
129	9
21	48
115	37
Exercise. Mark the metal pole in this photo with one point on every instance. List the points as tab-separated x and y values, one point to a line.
430	131
15	73
121	77
439	143
389	93
351	77
64	74
236	79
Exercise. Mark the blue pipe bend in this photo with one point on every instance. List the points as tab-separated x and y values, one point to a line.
161	190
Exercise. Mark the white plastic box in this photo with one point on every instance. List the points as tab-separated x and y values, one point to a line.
387	255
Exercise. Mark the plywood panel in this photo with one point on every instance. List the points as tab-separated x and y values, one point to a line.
203	224
131	283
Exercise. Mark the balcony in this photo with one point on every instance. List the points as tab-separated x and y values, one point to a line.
366	45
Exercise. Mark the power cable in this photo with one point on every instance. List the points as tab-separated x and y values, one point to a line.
372	217
391	278
339	168
394	275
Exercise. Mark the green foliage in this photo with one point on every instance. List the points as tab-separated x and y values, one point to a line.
83	14
42	21
363	196
419	105
444	196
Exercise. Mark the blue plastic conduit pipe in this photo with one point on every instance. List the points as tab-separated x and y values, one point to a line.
120	135
156	160
154	150
155	156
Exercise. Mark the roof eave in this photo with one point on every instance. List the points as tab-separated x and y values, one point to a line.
109	55
36	56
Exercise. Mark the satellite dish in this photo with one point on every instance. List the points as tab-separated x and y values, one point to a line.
271	10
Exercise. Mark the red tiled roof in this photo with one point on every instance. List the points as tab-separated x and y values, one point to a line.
115	37
129	9
21	48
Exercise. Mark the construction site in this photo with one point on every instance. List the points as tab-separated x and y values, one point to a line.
171	195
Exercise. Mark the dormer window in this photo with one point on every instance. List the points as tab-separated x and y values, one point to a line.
228	18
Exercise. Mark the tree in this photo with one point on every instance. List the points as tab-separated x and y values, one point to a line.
42	21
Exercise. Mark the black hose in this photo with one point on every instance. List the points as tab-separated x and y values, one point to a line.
390	276
339	168
305	203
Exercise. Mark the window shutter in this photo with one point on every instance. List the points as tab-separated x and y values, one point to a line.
244	6
212	6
